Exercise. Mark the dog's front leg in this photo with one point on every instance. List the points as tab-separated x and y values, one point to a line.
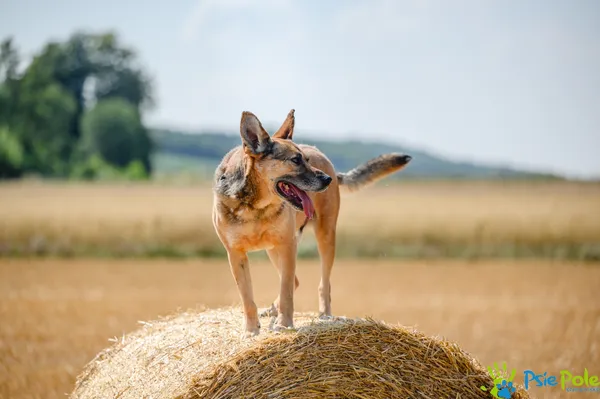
273	309
286	254
240	268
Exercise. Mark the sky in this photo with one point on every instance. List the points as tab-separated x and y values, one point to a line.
508	82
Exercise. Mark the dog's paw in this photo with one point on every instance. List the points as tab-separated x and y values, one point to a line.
323	316
278	328
269	312
283	324
251	330
250	334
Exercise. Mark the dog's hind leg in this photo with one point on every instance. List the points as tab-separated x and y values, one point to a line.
272	310
325	235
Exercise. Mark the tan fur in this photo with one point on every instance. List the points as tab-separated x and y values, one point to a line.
250	215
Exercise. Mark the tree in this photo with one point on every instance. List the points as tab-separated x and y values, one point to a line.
44	119
130	84
5	104
11	150
43	115
9	62
109	68
43	108
11	154
113	130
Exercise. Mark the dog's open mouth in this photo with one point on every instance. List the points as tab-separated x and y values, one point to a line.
298	198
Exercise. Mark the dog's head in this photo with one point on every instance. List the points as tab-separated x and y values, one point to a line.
281	163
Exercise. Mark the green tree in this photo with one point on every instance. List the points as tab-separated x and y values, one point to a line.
43	115
43	108
9	61
11	150
11	154
39	111
109	68
130	84
113	130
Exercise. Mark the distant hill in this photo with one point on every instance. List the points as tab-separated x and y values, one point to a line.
199	154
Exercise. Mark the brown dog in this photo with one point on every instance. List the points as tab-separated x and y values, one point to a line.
265	192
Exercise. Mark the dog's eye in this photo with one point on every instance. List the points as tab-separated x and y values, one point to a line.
297	159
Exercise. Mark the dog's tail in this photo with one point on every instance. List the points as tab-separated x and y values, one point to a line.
372	170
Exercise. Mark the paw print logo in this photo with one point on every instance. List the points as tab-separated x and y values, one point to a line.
505	390
503	382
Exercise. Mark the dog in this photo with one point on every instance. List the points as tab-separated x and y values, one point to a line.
266	191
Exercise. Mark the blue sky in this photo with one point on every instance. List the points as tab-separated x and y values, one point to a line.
510	82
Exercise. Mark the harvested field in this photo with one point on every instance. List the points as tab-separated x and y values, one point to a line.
559	220
58	314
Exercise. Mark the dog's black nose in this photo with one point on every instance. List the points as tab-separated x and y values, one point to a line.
404	159
325	179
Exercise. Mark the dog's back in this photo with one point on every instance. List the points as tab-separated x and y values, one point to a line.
327	202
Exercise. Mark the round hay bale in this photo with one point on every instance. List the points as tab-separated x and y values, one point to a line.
202	355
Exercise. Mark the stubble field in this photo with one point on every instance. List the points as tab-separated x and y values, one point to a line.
534	305
57	314
559	220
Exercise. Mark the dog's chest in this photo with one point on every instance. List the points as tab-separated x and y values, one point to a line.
251	237
252	230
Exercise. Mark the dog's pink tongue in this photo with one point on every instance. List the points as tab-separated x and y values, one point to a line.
307	205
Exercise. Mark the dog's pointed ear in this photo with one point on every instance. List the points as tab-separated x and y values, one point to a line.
254	136
286	131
